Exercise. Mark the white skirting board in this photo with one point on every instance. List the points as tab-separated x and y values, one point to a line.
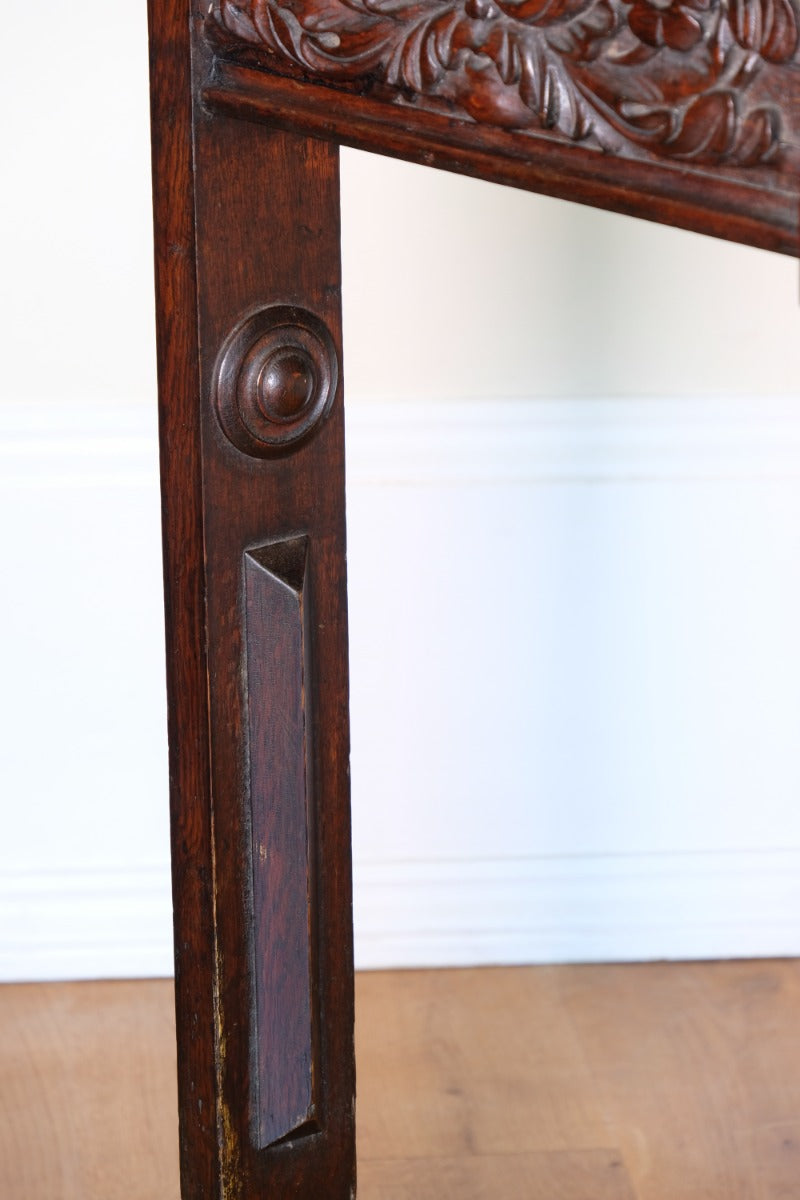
586	908
117	924
86	923
575	672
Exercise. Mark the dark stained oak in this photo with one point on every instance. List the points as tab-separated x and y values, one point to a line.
278	680
695	83
278	243
184	590
686	113
247	221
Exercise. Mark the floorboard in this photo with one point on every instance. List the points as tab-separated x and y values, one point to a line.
554	1175
647	1082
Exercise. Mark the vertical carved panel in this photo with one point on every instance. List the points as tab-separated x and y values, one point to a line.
280	790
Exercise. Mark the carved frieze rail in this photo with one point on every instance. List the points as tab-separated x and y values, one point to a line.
700	81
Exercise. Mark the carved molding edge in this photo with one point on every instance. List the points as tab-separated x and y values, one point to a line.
671	78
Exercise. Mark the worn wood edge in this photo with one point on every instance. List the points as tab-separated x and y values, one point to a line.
697	200
194	917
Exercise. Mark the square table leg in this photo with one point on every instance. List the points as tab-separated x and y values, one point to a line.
252	446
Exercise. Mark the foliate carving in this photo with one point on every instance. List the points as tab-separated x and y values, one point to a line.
670	77
275	380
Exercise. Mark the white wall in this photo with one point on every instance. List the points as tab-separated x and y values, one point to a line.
574	514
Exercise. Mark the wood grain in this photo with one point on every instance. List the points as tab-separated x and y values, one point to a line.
88	1102
699	1074
560	1175
719	203
654	1082
246	221
702	133
476	1062
278	679
589	100
689	1073
184	588
638	80
683	112
267	218
584	70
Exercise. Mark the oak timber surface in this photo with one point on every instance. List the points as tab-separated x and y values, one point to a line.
88	1103
655	1082
683	113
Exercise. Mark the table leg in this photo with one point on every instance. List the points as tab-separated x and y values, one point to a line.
248	281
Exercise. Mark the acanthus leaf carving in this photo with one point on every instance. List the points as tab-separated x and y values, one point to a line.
668	77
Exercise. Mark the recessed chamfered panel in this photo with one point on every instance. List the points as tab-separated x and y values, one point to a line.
277	684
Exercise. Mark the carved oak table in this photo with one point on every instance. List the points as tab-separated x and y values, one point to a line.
685	111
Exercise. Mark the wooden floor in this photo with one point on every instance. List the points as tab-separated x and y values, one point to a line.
657	1082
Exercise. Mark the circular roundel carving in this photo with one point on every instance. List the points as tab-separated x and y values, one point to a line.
275	379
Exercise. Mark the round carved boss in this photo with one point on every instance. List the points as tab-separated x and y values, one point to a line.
275	379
